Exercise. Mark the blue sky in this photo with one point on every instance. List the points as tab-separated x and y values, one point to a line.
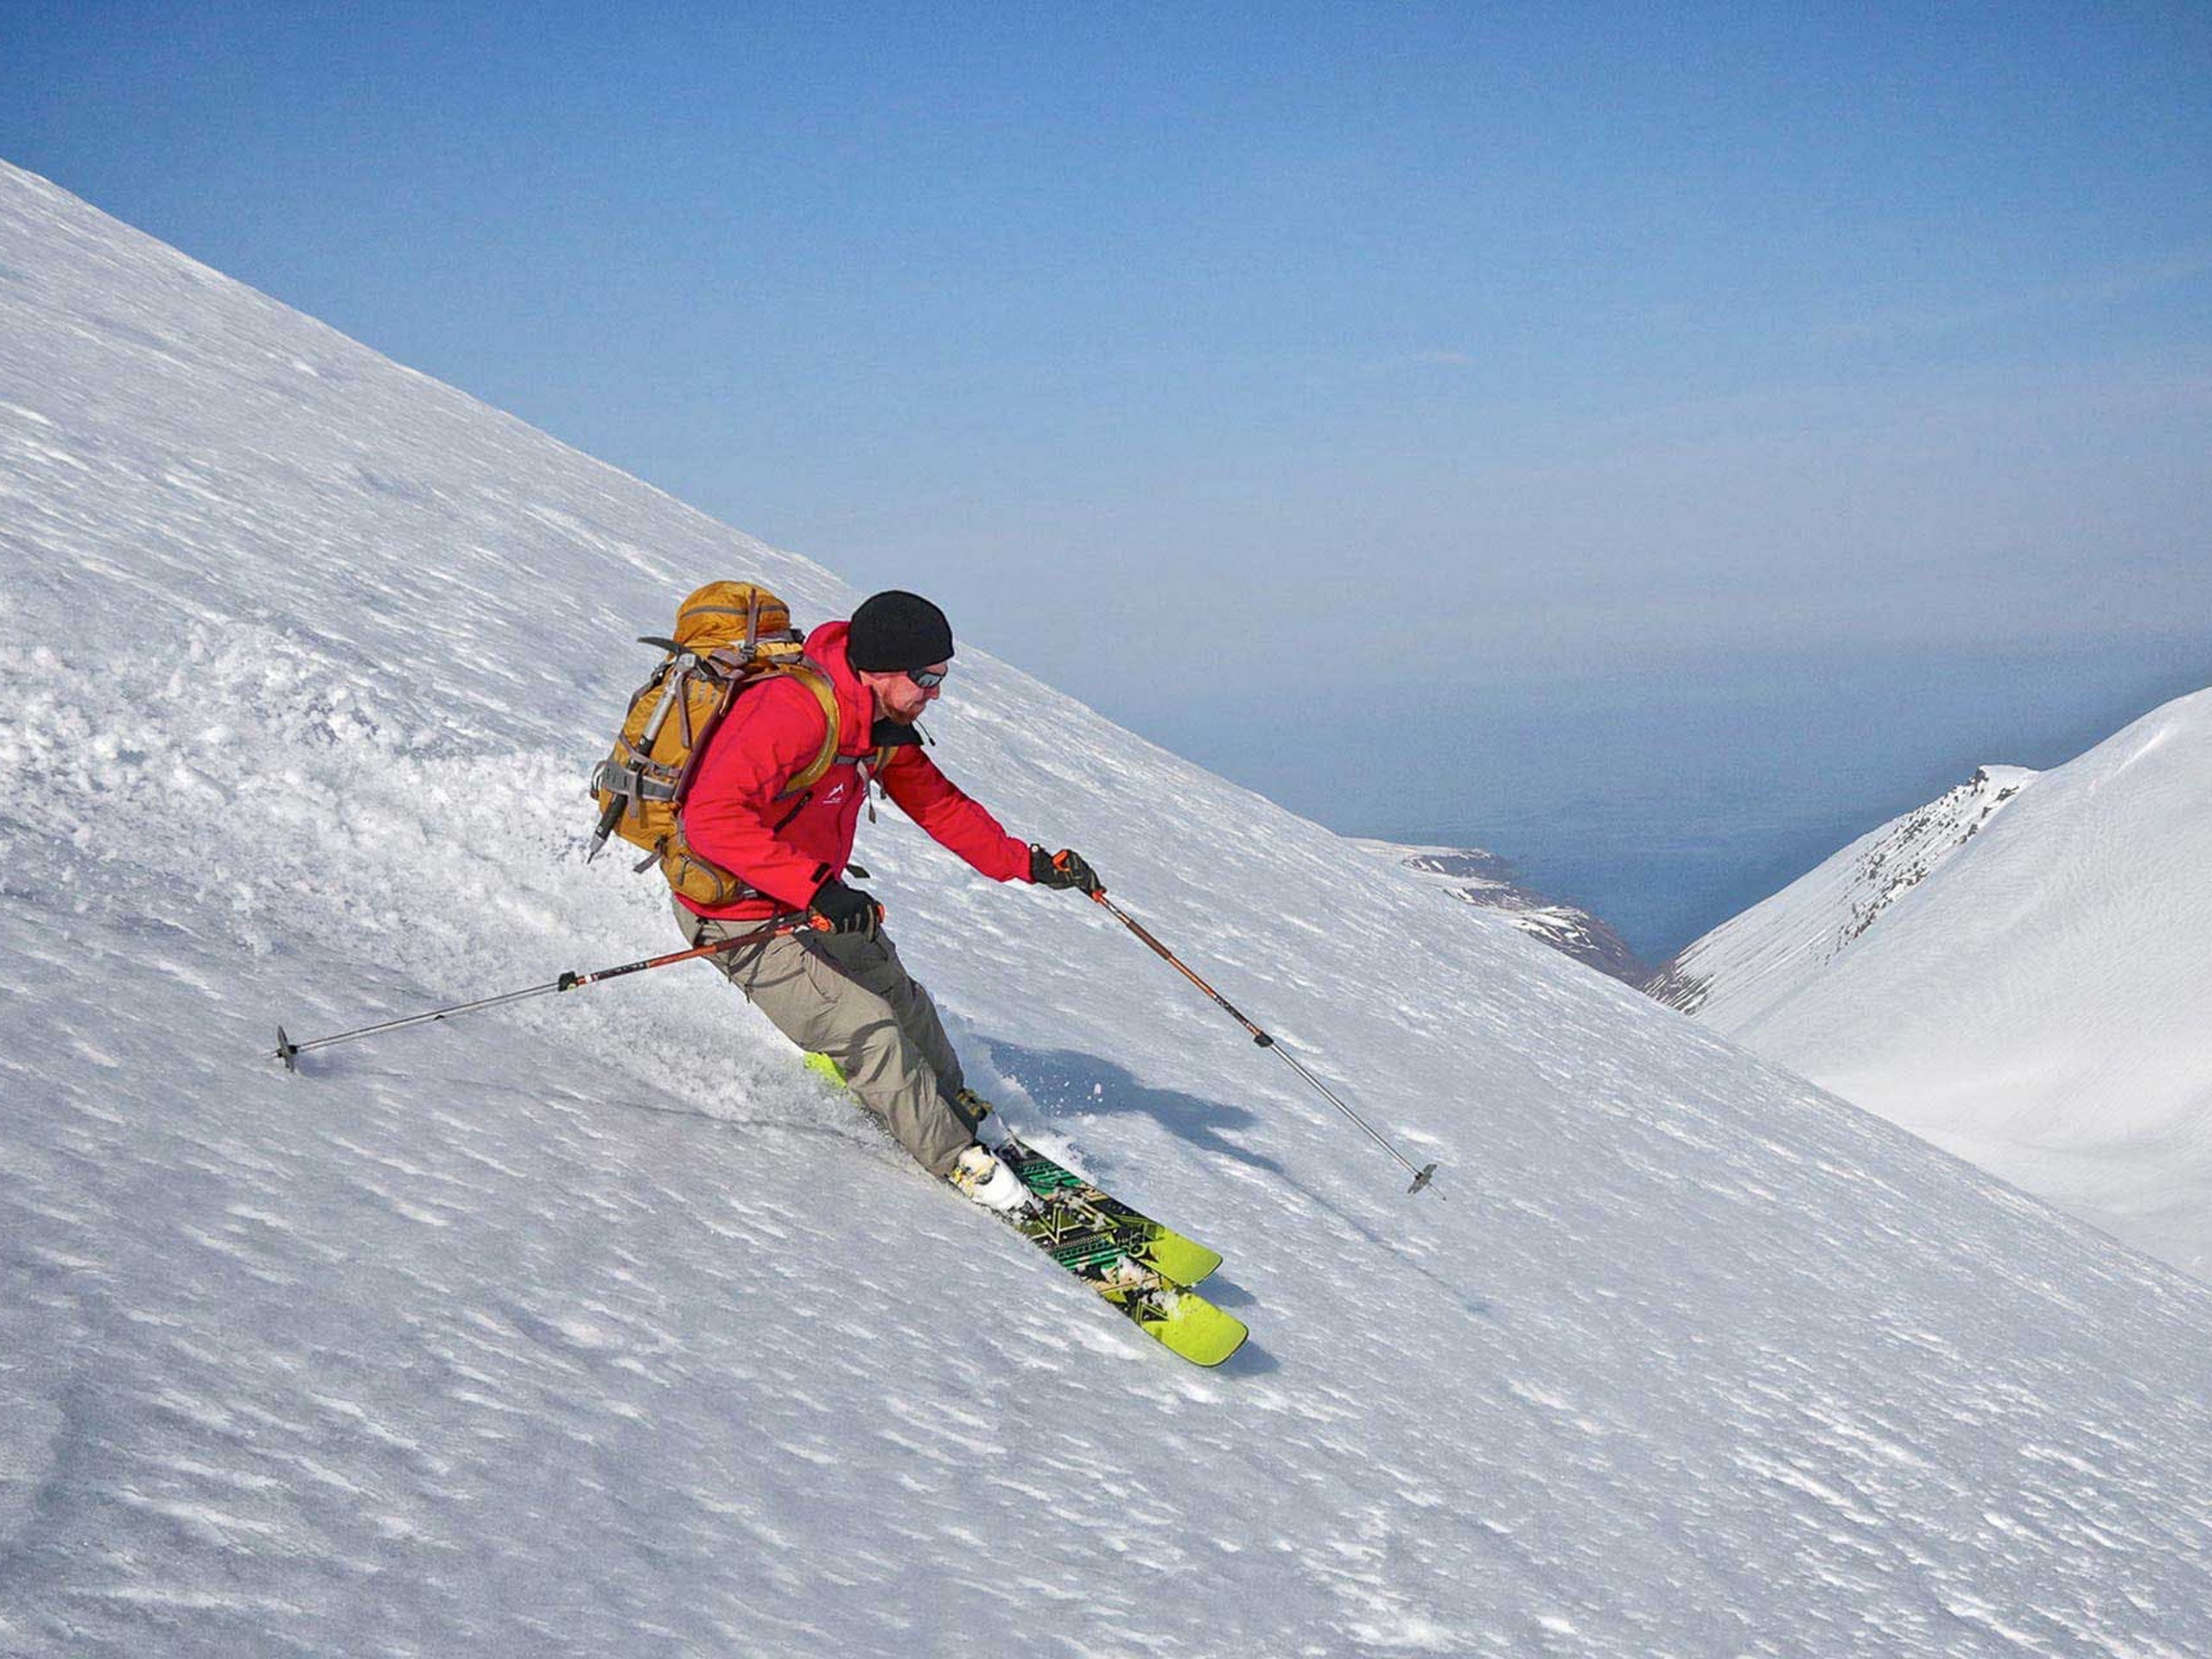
1461	356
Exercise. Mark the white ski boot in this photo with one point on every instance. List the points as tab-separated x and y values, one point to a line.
980	1175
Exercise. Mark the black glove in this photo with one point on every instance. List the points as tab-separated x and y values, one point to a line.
1065	868
848	910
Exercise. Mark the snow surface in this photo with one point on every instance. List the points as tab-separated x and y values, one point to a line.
599	1328
2038	1001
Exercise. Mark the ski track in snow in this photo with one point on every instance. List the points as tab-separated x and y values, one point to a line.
596	1326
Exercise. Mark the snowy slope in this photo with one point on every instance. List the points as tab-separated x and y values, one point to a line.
596	1327
1484	880
1753	960
2038	1004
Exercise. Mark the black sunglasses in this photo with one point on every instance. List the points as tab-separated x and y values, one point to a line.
928	678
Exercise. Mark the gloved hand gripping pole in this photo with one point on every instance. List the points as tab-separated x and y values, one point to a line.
288	1052
1422	1175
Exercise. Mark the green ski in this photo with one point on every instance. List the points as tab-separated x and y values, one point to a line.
1174	1315
1123	1256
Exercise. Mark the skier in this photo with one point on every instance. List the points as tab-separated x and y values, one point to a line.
844	992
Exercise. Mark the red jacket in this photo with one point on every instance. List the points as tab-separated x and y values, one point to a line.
788	848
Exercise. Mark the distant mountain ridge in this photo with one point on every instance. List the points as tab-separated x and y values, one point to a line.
1767	952
2017	971
1486	880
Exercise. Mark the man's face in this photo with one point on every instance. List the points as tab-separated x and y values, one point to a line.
898	698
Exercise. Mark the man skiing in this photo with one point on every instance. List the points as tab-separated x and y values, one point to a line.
843	992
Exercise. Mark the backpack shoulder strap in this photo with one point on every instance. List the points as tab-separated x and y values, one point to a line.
815	680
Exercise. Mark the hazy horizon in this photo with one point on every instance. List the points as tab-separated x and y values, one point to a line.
1667	802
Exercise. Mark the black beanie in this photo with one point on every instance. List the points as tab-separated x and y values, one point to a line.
894	631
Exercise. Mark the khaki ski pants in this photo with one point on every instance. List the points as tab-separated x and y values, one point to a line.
849	997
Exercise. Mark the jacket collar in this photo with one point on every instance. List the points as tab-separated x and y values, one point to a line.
826	647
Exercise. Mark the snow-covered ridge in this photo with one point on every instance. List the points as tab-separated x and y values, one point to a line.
2036	1001
598	1327
1484	880
1752	961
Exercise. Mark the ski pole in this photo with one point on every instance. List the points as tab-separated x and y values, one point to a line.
1422	1175
288	1052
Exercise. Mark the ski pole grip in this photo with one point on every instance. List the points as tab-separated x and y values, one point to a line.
1063	861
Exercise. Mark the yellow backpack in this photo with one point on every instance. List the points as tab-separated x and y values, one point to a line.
729	636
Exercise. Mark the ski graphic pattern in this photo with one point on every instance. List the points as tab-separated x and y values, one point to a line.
1158	1246
1176	1317
1114	1249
